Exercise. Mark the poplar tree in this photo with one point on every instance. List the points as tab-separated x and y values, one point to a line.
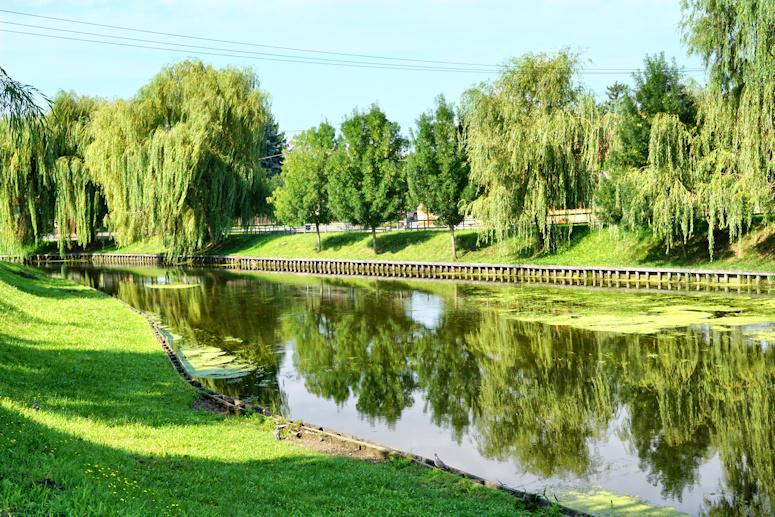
182	159
735	147
303	197
533	139
367	186
437	170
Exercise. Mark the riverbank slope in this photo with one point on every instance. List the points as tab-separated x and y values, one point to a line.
612	246
93	421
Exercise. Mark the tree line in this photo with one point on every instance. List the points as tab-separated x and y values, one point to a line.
198	150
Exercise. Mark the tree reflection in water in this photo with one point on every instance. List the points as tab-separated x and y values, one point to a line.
537	395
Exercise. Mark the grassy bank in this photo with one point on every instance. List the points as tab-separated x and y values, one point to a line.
114	434
613	246
605	247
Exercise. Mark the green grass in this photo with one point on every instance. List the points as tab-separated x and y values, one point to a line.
613	246
115	434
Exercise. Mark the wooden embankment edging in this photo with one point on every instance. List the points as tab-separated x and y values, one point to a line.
596	276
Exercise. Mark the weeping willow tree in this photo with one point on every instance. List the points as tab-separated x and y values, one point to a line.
25	179
182	159
664	192
736	141
533	138
26	185
79	205
17	103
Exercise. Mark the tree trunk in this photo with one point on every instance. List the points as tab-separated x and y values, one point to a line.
539	237
454	249
374	239
317	230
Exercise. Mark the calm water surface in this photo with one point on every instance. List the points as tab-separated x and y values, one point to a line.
679	418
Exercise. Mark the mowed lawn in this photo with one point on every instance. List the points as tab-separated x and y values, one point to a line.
585	246
114	434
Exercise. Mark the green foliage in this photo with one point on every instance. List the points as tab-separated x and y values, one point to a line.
533	139
658	89
664	192
734	152
275	145
303	198
80	206
616	93
367	187
27	185
182	159
437	170
17	104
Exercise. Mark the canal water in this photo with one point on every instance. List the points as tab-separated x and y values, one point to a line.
665	398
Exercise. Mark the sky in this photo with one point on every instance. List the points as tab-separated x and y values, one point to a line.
320	59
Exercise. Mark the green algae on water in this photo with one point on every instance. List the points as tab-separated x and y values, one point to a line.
630	313
599	502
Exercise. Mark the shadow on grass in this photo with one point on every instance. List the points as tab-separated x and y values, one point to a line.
343	239
696	250
46	471
240	242
766	247
33	282
394	242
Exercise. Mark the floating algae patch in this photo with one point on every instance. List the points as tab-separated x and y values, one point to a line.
629	313
213	363
601	503
171	286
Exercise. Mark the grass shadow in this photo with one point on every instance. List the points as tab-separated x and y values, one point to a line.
36	283
46	470
696	249
394	242
766	247
344	239
241	242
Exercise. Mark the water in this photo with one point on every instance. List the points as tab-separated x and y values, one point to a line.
504	382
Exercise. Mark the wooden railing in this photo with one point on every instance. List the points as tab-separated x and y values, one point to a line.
626	277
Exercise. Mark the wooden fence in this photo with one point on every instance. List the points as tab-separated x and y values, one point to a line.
624	277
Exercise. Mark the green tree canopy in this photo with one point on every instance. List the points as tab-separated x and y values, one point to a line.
182	159
25	180
303	198
735	148
17	102
533	139
275	145
79	206
367	185
437	170
27	187
658	89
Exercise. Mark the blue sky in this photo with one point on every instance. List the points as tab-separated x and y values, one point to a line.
614	35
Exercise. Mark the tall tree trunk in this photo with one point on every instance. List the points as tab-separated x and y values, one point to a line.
317	230
374	239
454	249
